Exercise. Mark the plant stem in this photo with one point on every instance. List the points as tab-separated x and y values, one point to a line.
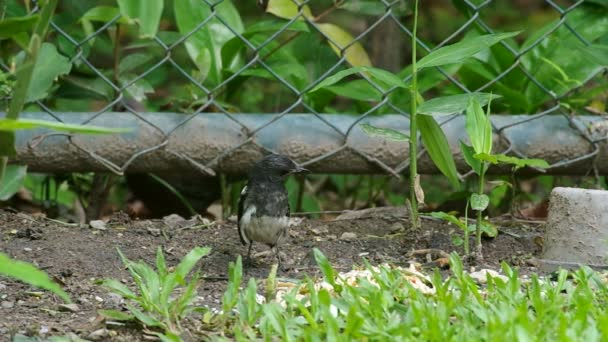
467	250
413	126
478	251
3	163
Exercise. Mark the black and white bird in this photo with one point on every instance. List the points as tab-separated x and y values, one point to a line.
263	213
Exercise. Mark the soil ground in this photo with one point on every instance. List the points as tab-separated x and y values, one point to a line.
78	256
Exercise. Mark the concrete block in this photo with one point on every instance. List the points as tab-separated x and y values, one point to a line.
577	229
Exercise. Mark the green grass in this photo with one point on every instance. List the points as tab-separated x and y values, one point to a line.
386	306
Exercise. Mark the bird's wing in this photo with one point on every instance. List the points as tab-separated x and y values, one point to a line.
240	215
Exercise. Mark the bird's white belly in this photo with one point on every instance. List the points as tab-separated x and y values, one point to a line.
268	230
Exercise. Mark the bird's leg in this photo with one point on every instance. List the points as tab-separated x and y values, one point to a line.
248	261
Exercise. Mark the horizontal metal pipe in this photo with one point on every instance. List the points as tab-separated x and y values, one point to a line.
176	146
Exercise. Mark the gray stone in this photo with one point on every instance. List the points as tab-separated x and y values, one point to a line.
577	229
98	224
68	307
98	334
348	236
7	304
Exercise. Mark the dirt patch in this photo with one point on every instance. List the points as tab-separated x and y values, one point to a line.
78	256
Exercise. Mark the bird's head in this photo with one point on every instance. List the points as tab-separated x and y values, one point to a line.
276	166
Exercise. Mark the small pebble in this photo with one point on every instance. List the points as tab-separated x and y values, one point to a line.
482	278
98	224
99	299
98	334
27	249
7	304
68	307
348	236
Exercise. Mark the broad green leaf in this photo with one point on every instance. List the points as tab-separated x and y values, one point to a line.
469	157
288	9
360	90
190	260
104	14
437	146
387	133
380	76
340	40
46	70
450	218
10	27
564	49
452	104
133	61
116	315
29	274
146	13
119	288
478	127
517	162
161	265
458	52
204	46
12	181
374	7
274	25
137	90
598	54
14	125
328	272
479	202
144	318
487	228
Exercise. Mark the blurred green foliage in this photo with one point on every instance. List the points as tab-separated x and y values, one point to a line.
161	58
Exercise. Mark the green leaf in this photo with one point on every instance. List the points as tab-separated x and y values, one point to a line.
597	53
489	229
343	42
469	157
479	202
116	315
450	218
144	318
137	90
452	104
478	127
374	7
47	68
437	146
12	181
103	14
10	27
146	13
205	46
133	61
13	125
29	274
517	162
387	133
287	9
380	76
189	261
360	90
161	265
328	272
119	288
458	52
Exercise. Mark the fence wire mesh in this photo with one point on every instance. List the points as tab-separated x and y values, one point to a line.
262	61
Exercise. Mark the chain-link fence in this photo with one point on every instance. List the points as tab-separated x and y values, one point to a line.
240	57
